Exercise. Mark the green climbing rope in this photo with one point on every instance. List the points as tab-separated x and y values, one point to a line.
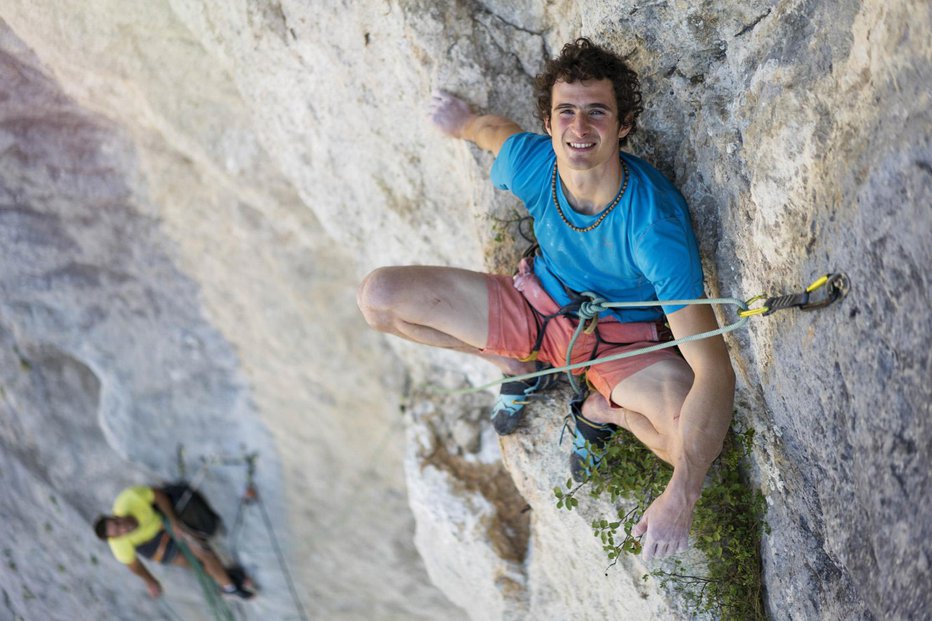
215	601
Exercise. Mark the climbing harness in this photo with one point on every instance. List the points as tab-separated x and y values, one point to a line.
823	291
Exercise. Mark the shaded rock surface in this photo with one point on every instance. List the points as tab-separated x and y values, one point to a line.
190	190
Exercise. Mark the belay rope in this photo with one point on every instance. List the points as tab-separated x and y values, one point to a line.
215	601
250	496
822	292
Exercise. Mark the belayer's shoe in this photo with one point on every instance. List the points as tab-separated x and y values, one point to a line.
588	443
508	410
239	577
238	591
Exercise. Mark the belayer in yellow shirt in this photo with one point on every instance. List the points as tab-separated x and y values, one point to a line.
136	529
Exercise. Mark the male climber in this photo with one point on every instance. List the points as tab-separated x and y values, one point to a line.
608	223
136	528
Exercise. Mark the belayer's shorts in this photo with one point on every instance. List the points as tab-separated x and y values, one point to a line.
150	548
516	309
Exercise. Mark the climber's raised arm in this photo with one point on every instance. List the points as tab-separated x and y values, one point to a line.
454	117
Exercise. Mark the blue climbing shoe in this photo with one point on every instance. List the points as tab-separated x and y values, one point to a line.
589	441
508	410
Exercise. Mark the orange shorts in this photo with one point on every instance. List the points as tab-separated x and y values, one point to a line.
517	306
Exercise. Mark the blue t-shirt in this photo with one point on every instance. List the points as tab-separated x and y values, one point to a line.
645	248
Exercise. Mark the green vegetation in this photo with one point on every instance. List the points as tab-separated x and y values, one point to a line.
726	526
504	231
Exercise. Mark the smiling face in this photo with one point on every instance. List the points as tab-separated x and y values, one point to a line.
584	126
119	526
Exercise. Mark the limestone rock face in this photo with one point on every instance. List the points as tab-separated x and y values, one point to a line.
190	191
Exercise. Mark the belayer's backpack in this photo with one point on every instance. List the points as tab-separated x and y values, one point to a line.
193	509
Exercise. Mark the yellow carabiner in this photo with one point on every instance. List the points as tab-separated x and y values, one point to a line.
817	283
750	312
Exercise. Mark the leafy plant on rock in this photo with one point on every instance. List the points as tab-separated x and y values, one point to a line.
726	527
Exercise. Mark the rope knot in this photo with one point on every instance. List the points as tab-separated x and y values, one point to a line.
592	307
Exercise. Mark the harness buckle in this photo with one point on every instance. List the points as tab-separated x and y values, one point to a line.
531	357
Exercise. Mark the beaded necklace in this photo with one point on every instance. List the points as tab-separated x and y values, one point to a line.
605	212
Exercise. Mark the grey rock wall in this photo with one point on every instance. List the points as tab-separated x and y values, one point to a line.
148	264
189	192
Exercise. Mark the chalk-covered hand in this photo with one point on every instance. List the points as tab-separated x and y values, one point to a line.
665	526
449	113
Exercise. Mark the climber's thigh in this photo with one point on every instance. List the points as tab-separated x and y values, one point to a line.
449	300
657	392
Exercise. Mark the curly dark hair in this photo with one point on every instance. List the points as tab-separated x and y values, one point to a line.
584	60
100	527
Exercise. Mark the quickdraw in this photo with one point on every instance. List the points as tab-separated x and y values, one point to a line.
822	292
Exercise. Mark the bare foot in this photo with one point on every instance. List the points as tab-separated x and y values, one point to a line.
597	409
